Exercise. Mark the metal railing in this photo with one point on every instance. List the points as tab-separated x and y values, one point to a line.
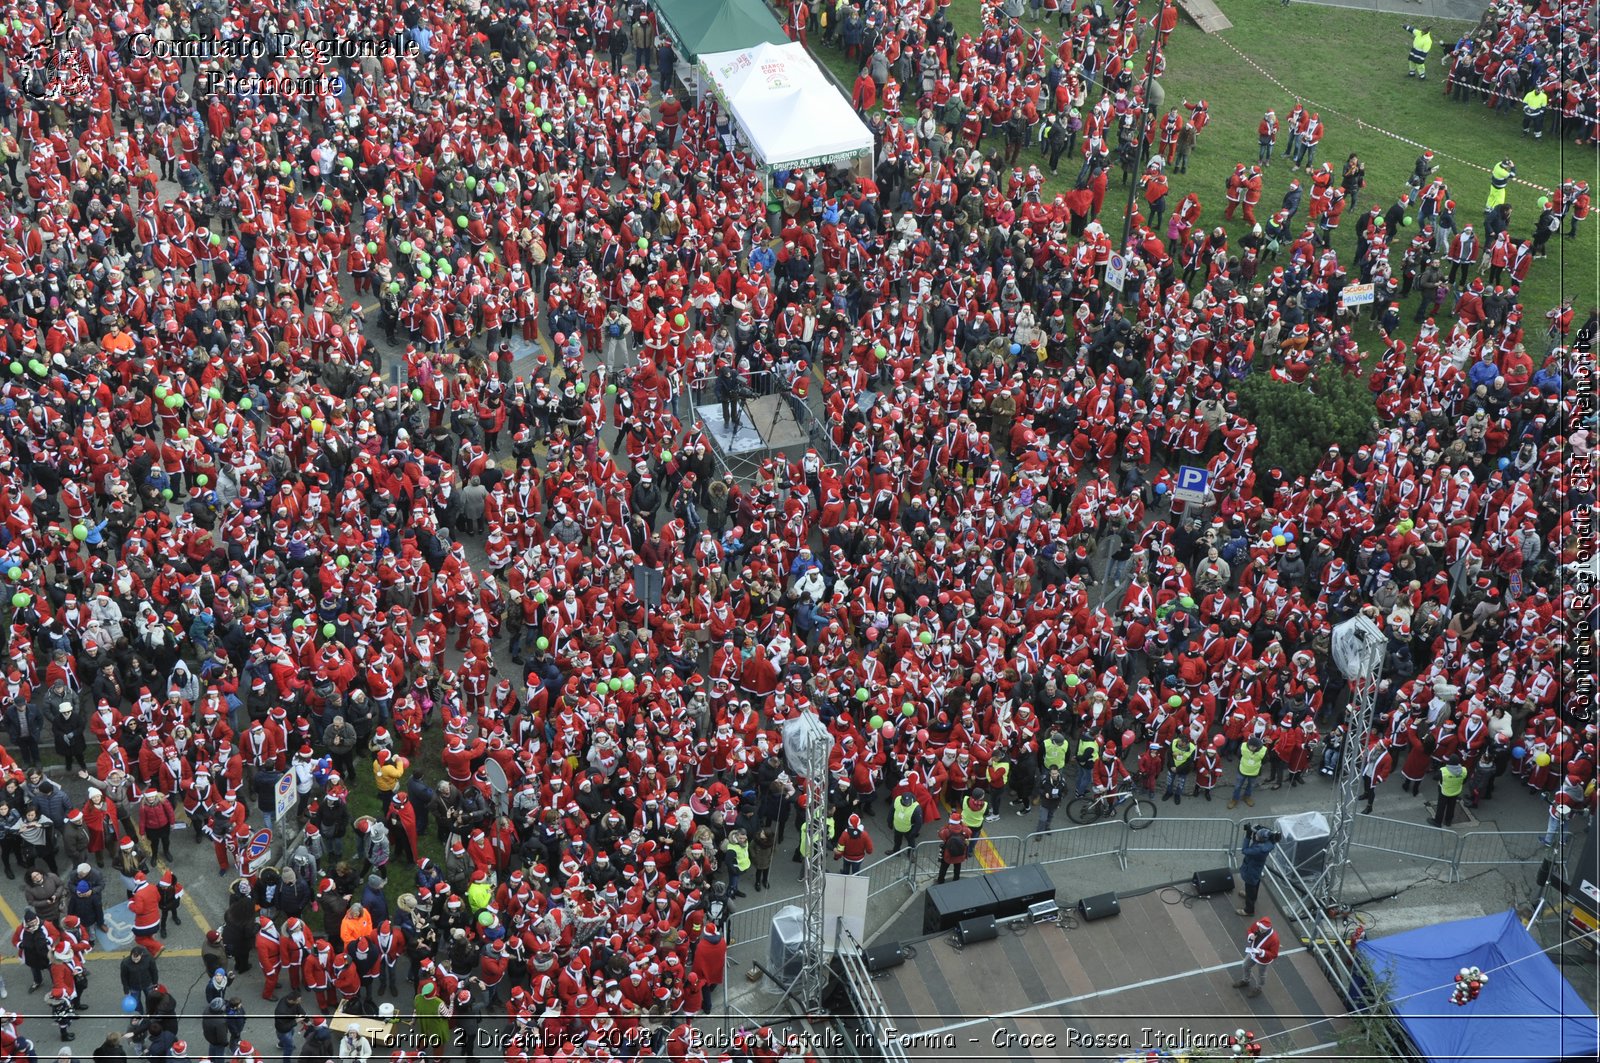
1064	844
1180	835
1499	848
1416	840
876	1022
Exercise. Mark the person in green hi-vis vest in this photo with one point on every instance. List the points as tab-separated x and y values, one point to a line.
1452	777
1251	754
426	1005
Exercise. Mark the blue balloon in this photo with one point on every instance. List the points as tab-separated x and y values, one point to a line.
1289	535
1517	752
1161	489
130	1004
1504	462
1277	529
1016	348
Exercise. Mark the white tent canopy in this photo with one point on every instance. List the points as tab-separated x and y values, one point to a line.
786	110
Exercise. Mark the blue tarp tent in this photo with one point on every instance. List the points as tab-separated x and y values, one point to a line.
1527	1011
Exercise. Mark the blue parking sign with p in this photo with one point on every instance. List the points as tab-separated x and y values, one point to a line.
1191	484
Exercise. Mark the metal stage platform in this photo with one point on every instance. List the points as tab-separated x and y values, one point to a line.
1157	976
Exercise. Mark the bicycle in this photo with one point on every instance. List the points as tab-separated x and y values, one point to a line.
1137	812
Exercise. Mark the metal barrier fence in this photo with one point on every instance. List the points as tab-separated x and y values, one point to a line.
1074	843
1181	835
1416	840
1499	848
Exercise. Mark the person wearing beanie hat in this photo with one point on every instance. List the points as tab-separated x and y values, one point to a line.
955	843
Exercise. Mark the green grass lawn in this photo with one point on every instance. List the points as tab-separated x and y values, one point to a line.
1352	63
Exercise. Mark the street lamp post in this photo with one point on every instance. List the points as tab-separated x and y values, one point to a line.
1152	60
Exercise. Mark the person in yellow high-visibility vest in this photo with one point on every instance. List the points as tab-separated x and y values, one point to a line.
1452	777
1417	58
737	846
905	816
1251	756
975	809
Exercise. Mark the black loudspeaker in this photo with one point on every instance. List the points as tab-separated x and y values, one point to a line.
1016	889
1217	880
948	903
883	957
1092	908
979	928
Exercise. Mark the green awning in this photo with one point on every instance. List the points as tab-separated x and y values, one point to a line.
702	27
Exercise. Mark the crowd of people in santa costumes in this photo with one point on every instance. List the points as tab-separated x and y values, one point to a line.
1516	48
233	551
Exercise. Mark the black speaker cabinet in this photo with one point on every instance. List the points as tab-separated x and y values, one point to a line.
883	957
1217	880
978	928
947	903
1016	889
1101	907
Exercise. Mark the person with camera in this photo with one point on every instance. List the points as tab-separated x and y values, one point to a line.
1258	845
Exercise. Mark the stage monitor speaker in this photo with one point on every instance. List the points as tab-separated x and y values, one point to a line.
1217	880
948	903
1092	908
979	928
883	957
1016	889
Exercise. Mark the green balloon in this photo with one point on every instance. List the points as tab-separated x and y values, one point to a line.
80	532
461	220
372	247
16	367
394	287
611	389
499	188
214	393
908	709
405	247
343	560
444	269
325	203
202	480
328	631
38	367
221	429
880	350
679	320
472	182
416	394
666	455
245	403
1406	220
305	411
875	723
161	391
174	401
581	388
540	597
627	684
542	643
522	82
166	494
183	433
425	273
1174	702
216	240
644	243
538	112
1073	680
861	694
925	637
15	573
423	257
347	162
299	622
20	600
545	127
614	683
486	919
533	108
284	168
